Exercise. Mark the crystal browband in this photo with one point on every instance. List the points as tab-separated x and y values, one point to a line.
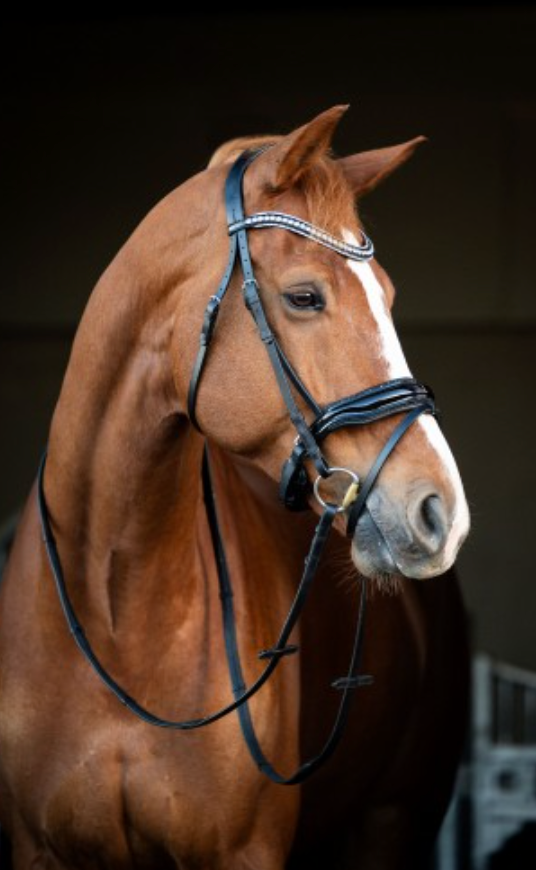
303	228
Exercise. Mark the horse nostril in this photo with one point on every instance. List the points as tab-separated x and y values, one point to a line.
429	523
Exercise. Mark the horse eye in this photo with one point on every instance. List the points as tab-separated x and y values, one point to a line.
305	300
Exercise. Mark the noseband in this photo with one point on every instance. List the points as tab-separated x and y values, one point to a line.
403	395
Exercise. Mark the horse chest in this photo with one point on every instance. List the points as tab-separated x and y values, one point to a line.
132	796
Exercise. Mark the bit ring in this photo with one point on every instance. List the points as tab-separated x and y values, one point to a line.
351	492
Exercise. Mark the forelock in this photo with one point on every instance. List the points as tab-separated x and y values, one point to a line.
329	200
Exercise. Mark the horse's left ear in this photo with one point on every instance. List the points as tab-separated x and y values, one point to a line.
366	170
289	158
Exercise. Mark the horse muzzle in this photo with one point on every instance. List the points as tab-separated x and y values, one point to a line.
418	536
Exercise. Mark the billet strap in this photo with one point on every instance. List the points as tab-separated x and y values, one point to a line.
280	220
233	207
297	382
209	322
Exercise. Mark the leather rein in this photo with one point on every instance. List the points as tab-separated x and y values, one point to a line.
392	397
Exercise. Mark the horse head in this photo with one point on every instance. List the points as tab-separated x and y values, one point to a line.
331	315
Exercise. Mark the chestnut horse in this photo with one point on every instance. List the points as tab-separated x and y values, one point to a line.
83	782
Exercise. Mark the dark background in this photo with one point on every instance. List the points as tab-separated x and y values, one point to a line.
102	114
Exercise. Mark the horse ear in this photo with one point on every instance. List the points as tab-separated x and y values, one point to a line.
289	158
366	170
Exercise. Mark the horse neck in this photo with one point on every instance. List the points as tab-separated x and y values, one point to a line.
123	480
122	473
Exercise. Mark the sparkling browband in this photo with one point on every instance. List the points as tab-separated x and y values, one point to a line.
303	228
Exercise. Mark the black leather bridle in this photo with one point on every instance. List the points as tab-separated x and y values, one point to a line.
403	395
392	397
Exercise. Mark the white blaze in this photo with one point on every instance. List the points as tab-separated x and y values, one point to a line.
390	349
397	367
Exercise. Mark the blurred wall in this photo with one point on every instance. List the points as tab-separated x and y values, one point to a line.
102	117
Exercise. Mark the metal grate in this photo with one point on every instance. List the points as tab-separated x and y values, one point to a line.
497	786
